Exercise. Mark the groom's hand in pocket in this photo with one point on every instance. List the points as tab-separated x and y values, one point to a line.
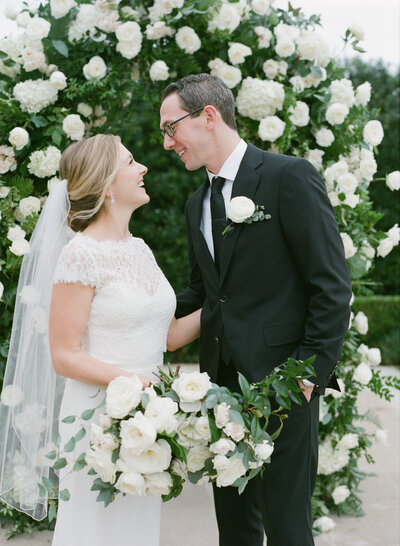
307	391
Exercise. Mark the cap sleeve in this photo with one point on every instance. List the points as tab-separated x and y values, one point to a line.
76	264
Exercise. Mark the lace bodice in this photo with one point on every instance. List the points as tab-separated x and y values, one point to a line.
133	303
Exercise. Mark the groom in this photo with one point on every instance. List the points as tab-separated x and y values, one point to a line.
269	290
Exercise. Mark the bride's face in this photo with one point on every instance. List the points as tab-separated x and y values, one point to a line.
128	186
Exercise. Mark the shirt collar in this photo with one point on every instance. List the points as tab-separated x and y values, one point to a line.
231	166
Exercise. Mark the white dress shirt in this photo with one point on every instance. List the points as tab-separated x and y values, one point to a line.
228	171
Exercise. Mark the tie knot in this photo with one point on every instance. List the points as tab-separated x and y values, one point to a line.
217	184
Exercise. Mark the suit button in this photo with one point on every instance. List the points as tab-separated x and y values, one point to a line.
223	298
216	339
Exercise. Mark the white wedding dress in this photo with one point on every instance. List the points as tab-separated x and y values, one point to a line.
131	310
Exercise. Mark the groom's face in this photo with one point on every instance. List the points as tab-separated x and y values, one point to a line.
190	135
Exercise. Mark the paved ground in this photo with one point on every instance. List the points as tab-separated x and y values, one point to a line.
190	518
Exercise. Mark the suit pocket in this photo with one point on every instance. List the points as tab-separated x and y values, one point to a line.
283	334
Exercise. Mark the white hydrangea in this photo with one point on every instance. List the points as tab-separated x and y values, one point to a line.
73	127
373	132
34	95
58	80
342	92
336	113
324	137
334	172
315	157
299	114
60	8
187	39
226	18
158	30
44	163
257	98
363	94
264	36
7	159
312	47
230	75
238	52
393	180
19	137
29	205
159	71
331	459
95	69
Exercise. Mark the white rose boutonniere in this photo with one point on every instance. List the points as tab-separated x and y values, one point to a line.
242	210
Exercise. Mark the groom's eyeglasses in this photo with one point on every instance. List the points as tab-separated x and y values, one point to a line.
168	129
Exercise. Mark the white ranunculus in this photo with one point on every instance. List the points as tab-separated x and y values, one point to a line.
264	451
191	387
373	132
362	374
223	446
315	158
60	8
160	411
34	95
44	163
381	436
95	69
100	460
37	28
19	137
156	458
158	483
228	470
73	127
271	128
238	52
138	433
221	413
158	30
342	92
11	396
58	80
349	248
324	137
236	431
258	98
131	483
347	183
264	36
285	48
361	323
15	233
29	205
196	457
240	209
393	180
20	247
84	109
188	40
374	356
123	395
340	494
385	247
394	234
159	71
336	113
4	191
363	94
299	114
324	524
357	31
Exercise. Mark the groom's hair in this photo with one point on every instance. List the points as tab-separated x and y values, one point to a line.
198	90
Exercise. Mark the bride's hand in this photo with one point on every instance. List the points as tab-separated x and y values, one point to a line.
145	380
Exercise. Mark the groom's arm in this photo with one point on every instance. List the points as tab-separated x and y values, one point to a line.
310	228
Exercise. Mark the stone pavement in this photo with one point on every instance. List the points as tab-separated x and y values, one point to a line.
190	520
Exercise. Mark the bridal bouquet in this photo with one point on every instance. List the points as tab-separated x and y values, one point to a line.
148	442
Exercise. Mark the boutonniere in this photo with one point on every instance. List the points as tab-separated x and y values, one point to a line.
242	210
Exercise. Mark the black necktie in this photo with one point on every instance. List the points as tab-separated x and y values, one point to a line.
218	215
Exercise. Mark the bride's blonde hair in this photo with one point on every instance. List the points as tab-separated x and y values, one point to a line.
89	166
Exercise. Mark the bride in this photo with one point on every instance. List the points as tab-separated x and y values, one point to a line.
109	313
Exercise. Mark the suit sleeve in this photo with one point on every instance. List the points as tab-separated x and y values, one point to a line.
192	297
311	231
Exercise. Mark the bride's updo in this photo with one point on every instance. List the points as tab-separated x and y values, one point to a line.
89	166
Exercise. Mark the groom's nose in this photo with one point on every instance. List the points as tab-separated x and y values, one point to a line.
169	142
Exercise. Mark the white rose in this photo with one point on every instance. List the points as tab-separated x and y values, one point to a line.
138	433
228	470
221	413
74	127
286	32
285	48
315	158
342	92
297	83
261	7
324	137
299	114
95	69
202	428
196	457
351	200
385	246
150	392
240	209
336	113
271	68
1	284
361	323
373	132
58	80
264	36
191	389
324	524
188	40
223	446
37	29
381	436
105	421
348	441
340	494
20	247
33	59
18	137
60	8
11	396
271	128
155	459
128	32
392	180
100	460
159	71
96	433
29	205
230	75
394	234
362	374
178	467
23	19
123	395
158	30
227	18
4	191
236	431
15	233
334	172
158	483
347	183
131	483
349	248
264	451
85	109
363	94
357	31
160	412
129	50
186	430
238	52
374	356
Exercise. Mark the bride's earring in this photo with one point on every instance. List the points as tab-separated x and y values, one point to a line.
112	200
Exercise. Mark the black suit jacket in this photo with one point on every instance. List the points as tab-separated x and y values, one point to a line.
283	288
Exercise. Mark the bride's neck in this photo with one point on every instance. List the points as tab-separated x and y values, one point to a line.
110	225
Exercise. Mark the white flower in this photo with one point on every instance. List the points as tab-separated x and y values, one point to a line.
238	52
123	394
261	7
347	183
37	28
369	252
158	30
11	10
85	109
340	494
286	32
44	163
271	68
178	467
324	137
11	396
227	18
394	234
264	451
138	433
34	95
297	83
324	524
334	172
357	31
100	460
361	323
236	431
188	436
363	94
349	248
271	128
351	200
374	356
336	113
385	246
312	47
15	233
159	71
86	21
158	483
202	428
131	483
373	132
29	205
188	40
342	92
228	470
221	413
230	75
60	8
240	209
95	69
155	459
348	441
196	457
1	284
96	433
362	374
315	158
150	392
393	180
4	191
258	98
160	411
264	36
285	48
20	247
381	436
23	19
58	80
299	114
18	137
368	166
73	127
52	183
33	59
105	421
191	389
223	446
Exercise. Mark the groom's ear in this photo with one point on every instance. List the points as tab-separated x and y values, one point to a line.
211	115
